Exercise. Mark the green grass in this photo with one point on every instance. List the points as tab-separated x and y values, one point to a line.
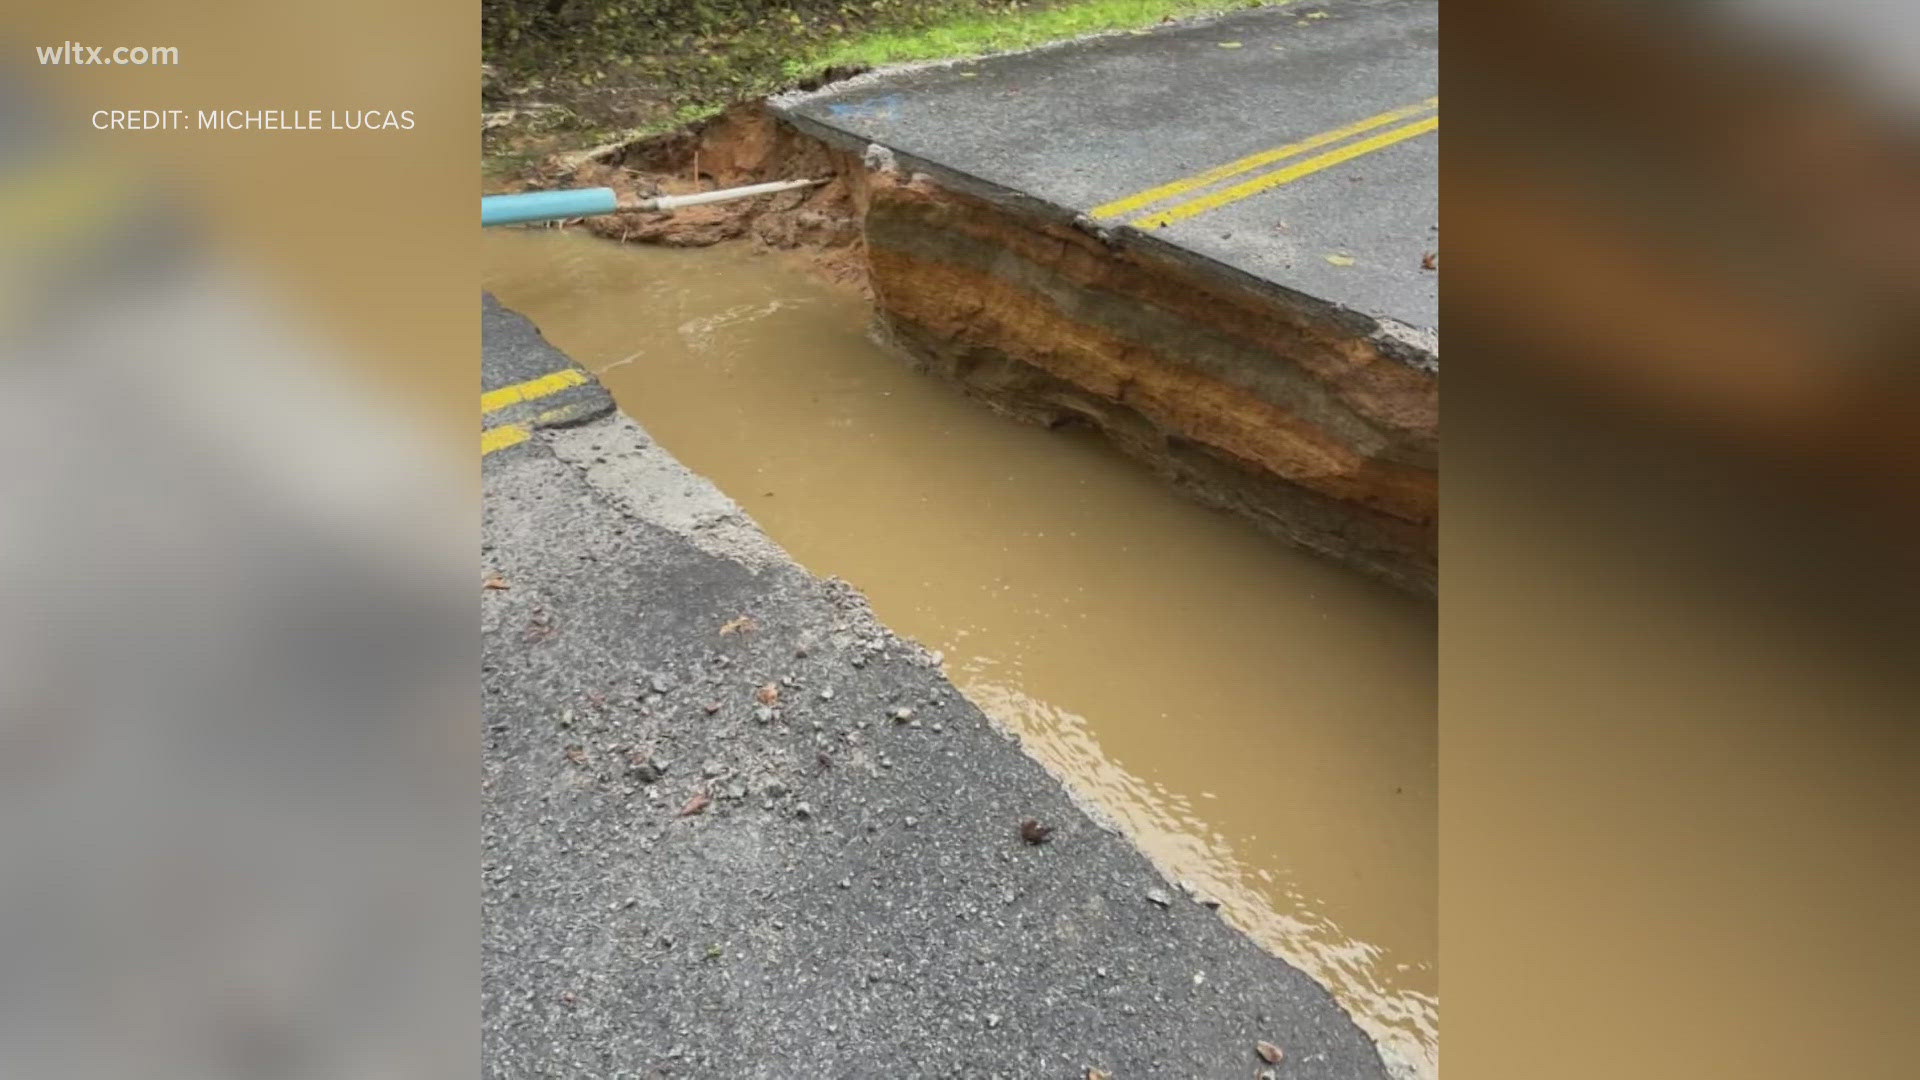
655	78
973	34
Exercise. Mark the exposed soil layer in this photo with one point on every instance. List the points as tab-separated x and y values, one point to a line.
1268	409
744	145
1316	424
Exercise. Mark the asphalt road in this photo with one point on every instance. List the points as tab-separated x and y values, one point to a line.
687	875
1346	218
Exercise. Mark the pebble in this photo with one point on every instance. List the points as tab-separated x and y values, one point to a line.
826	693
659	684
902	714
764	714
912	821
1159	896
802	810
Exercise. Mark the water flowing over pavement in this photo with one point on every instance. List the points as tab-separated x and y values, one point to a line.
1259	720
733	826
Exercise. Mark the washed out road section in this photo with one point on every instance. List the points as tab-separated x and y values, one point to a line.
735	827
1083	125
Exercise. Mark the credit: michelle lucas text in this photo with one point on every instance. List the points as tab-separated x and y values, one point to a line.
253	119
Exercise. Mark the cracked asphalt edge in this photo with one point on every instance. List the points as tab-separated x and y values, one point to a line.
733	826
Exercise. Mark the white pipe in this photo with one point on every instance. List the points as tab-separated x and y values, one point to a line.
674	202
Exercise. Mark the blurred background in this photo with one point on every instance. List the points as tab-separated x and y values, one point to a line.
236	553
1679	749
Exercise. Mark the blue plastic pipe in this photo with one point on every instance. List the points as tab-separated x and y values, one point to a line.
546	205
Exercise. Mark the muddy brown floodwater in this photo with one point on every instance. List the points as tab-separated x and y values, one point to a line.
1261	721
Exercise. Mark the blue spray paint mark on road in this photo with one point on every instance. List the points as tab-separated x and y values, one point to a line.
882	107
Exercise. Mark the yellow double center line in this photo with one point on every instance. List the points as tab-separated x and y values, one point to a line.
505	435
1200	204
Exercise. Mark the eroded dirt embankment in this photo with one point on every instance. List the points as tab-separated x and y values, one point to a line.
1318	425
744	145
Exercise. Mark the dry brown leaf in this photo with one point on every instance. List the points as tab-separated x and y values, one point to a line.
494	581
1098	1074
1268	1052
742	625
767	694
700	801
1035	833
1430	261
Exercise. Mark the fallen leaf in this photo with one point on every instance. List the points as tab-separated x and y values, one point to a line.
1340	260
1098	1074
1229	44
700	801
1035	833
1268	1052
712	707
1430	261
577	754
767	694
743	624
1316	14
494	581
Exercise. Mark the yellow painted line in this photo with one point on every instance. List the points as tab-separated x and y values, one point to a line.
499	438
557	417
1266	157
1287	175
551	383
